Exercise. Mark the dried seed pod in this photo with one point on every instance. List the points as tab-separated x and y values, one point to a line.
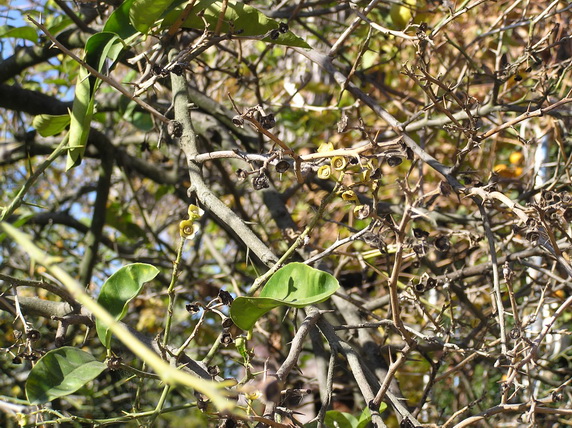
213	370
268	121
225	297
114	363
442	243
177	70
362	211
175	129
394	161
192	308
226	338
33	335
420	233
282	166
261	181
241	174
227	323
238	120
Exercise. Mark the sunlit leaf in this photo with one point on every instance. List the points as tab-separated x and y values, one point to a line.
61	372
296	285
119	289
143	14
27	33
50	124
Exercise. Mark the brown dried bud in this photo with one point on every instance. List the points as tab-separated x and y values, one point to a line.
238	120
282	166
260	181
274	34
241	174
213	370
175	129
114	363
394	161
420	233
442	243
226	338
283	27
33	335
227	323
268	121
225	297
192	308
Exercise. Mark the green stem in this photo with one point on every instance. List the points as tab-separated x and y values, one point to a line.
171	293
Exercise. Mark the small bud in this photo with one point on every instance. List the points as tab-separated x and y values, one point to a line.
213	370
227	323
114	363
283	27
195	212
274	34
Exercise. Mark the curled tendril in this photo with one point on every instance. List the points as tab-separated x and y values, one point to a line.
324	172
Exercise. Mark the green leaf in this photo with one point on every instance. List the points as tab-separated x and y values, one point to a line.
365	417
143	14
119	289
101	53
61	372
50	124
27	33
239	19
119	22
296	285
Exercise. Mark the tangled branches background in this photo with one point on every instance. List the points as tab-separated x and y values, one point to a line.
419	152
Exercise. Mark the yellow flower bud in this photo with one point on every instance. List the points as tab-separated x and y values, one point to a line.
325	147
324	172
188	229
195	212
338	163
349	195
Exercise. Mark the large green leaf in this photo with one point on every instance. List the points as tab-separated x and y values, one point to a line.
50	124
101	53
61	372
27	33
119	23
296	285
119	289
239	19
143	14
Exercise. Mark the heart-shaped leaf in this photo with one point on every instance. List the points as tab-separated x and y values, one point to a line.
61	372
119	289
296	285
